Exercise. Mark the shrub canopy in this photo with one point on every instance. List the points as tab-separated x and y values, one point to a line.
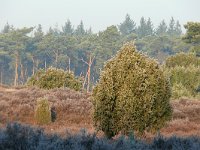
178	91
132	94
184	72
54	78
182	59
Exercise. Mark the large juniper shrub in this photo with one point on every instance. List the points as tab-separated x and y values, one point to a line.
132	94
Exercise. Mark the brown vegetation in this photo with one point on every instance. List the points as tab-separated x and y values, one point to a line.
186	118
73	108
74	111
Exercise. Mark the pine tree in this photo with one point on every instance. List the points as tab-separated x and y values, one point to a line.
178	30
141	31
149	27
50	31
80	29
67	29
39	33
128	26
18	38
193	36
7	28
89	31
162	28
171	29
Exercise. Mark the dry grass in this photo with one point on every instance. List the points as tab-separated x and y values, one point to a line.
74	111
186	118
73	108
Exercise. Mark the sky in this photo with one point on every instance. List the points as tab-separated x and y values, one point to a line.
97	14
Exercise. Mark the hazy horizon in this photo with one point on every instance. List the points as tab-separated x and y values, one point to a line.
93	13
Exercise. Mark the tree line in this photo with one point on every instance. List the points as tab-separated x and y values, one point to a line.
23	51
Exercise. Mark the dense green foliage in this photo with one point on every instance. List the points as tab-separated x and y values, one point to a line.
54	78
183	60
21	137
42	112
132	94
184	72
24	51
193	32
178	91
184	68
189	77
193	36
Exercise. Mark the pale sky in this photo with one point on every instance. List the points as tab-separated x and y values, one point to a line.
98	14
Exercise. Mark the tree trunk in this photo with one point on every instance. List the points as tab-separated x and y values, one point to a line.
16	69
56	53
89	66
45	64
33	69
26	73
37	64
22	73
87	77
85	80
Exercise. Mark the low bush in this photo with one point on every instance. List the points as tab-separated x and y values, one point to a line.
22	137
184	72
187	77
182	59
54	78
178	91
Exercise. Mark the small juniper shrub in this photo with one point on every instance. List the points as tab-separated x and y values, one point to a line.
43	112
55	78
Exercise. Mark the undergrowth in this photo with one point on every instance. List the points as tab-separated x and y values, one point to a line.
22	137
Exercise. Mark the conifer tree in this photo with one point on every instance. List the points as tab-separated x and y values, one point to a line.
80	29
128	26
162	28
67	29
149	27
141	30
